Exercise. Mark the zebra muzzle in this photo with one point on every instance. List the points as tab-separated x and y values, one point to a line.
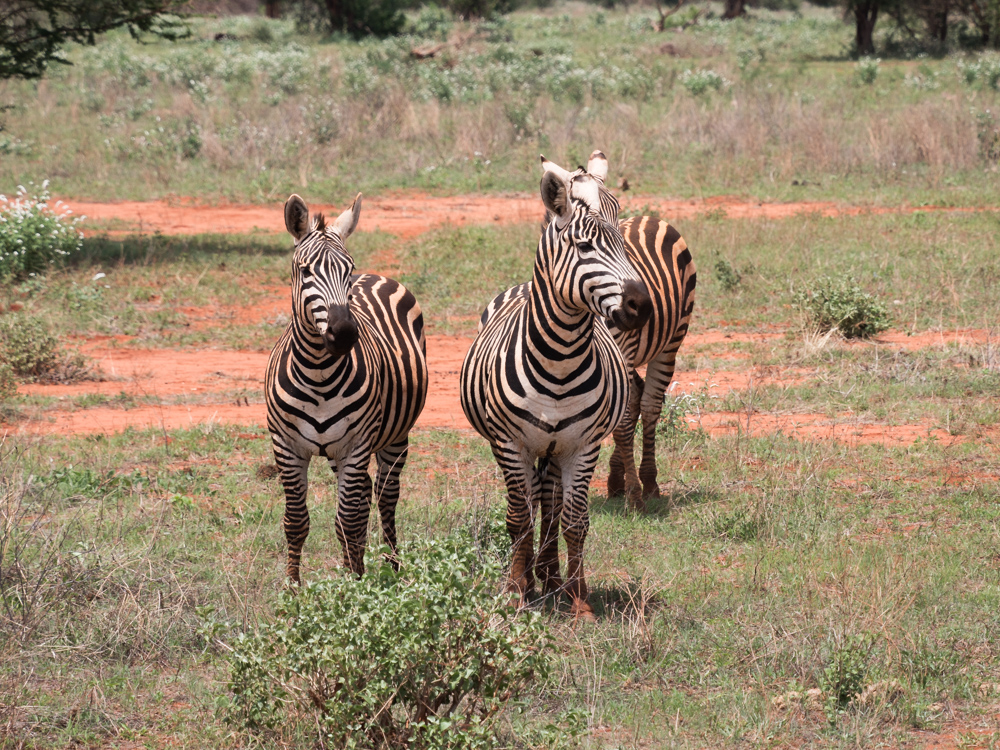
341	332
636	306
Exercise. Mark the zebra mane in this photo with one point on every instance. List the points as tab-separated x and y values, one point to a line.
319	223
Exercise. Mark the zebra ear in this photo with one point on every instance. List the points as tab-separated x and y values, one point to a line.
551	166
347	221
296	217
555	196
597	166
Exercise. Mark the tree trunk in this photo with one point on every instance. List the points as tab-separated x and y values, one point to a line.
272	9
865	15
336	15
734	9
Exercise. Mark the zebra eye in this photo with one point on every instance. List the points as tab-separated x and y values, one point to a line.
585	246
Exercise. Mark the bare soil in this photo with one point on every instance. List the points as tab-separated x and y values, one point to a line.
171	389
411	214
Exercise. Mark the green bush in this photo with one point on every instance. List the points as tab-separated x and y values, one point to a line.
867	70
28	348
8	381
423	658
846	672
842	304
698	82
33	236
727	275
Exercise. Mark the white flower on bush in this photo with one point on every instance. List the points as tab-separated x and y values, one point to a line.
33	235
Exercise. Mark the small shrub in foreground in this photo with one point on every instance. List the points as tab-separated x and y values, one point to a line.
842	304
423	658
33	236
30	352
727	275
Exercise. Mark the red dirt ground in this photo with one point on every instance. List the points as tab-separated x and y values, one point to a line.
412	214
194	387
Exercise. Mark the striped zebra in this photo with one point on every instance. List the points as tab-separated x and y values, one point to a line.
544	382
663	260
347	379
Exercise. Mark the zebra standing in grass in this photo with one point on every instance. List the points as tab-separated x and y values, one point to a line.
347	379
664	263
544	382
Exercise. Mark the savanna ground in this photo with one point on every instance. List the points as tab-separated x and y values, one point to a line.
830	509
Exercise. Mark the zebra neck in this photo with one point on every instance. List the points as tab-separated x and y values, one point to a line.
558	335
312	354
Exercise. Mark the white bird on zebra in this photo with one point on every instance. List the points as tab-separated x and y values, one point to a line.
346	380
544	381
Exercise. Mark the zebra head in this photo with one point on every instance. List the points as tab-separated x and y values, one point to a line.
597	167
588	267
321	274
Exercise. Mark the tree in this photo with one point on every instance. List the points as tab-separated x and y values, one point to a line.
865	14
733	9
32	32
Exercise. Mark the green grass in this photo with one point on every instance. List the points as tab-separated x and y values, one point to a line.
737	588
253	120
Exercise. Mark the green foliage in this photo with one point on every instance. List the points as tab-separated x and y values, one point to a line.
846	672
33	234
844	305
677	413
32	32
741	525
359	18
423	658
28	347
867	70
699	82
727	275
8	381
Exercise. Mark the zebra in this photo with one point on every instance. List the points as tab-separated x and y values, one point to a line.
663	260
347	379
545	383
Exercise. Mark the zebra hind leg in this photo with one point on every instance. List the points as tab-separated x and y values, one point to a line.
354	492
547	562
390	462
623	478
294	472
659	373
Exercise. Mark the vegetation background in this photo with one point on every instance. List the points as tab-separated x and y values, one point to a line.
785	591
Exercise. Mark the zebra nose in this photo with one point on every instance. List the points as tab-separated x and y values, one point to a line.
636	305
342	331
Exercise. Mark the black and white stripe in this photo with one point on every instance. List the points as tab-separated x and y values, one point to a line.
346	380
544	381
664	263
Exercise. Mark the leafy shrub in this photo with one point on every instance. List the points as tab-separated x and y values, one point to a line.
842	304
8	382
846	671
727	275
33	236
31	352
28	347
426	657
698	82
867	70
359	18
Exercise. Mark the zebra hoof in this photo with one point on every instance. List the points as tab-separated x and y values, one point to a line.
650	491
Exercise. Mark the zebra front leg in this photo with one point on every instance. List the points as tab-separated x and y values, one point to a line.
390	463
547	562
523	487
623	458
659	373
575	525
354	493
294	472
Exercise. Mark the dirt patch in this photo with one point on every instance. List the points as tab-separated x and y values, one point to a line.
844	428
409	215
